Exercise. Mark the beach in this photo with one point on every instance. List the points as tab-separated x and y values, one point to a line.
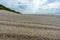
29	26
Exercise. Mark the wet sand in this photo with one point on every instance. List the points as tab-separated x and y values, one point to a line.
29	27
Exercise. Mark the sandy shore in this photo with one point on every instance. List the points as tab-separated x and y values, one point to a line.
29	27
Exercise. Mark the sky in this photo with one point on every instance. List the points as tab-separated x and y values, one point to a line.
33	6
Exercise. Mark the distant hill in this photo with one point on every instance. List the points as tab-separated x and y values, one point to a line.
2	7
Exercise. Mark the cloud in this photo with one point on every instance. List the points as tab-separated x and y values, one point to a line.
33	6
51	8
55	4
